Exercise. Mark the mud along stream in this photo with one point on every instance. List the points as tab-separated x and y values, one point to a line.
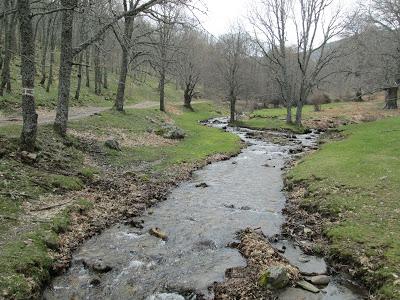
200	222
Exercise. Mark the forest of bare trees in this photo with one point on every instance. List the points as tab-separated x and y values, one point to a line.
288	52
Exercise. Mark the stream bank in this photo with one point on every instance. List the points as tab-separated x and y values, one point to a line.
197	221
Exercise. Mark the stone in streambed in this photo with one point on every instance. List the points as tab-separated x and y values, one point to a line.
158	233
308	286
97	266
320	280
166	296
202	185
275	278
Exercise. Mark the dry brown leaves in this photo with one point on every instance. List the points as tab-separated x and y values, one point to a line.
243	283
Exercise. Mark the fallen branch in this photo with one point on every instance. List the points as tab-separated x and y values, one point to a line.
52	206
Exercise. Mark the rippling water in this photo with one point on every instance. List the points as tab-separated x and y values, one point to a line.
245	191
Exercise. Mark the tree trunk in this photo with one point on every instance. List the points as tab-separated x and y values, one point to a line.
66	57
105	77
359	97
5	72
391	98
162	91
289	114
52	58
187	96
29	128
97	71
44	54
299	113
87	69
119	100
79	84
232	101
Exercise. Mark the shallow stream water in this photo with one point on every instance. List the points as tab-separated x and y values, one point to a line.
200	222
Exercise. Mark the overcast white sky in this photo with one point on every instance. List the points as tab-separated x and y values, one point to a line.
223	13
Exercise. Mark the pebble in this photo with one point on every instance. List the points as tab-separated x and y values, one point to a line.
308	286
320	280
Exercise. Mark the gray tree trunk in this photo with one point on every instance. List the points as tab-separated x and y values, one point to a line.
52	57
79	84
289	114
162	91
29	128
105	78
66	57
232	101
87	68
391	98
299	113
97	71
119	100
44	53
9	34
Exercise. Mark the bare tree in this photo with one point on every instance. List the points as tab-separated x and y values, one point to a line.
68	52
52	55
47	35
189	64
386	15
29	129
313	53
163	41
125	43
10	23
232	49
270	21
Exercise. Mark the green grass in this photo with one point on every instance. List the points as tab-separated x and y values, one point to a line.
359	180
136	91
275	118
199	143
24	258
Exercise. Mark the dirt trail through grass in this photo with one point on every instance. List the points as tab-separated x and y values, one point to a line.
75	113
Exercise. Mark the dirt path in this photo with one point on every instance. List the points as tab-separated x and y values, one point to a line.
75	113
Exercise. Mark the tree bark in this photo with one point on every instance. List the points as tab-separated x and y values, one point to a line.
29	128
105	77
6	70
44	54
66	58
52	57
289	114
162	91
188	97
119	100
87	69
97	71
299	113
391	98
79	84
232	100
359	97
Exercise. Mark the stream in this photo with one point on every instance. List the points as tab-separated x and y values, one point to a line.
245	191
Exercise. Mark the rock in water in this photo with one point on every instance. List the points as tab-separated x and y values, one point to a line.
320	280
275	278
158	233
113	144
166	297
202	185
97	266
308	286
